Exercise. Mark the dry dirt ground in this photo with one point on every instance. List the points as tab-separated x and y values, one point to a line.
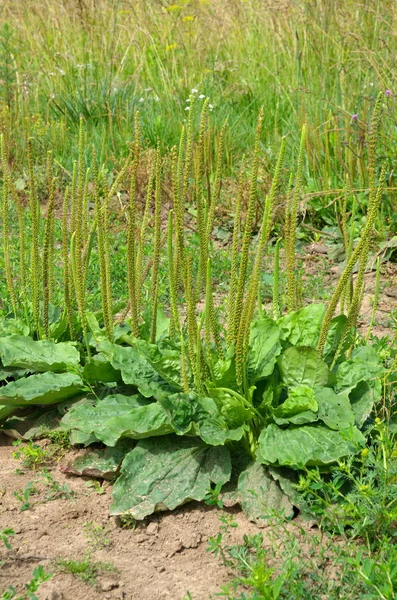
162	559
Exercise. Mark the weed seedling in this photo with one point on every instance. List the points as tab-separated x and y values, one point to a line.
5	534
85	569
55	490
212	498
127	521
95	486
23	495
97	535
39	576
33	456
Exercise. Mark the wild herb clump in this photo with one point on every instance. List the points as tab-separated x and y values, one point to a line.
196	391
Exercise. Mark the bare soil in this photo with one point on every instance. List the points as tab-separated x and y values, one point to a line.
161	559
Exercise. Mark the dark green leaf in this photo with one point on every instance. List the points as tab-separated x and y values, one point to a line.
300	398
334	409
13	327
302	327
362	400
197	415
136	370
264	347
259	494
302	365
165	473
98	368
117	416
334	336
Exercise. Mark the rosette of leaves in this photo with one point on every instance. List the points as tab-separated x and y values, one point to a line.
297	413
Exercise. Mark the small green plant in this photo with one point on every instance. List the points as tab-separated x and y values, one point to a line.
32	455
97	535
39	576
128	521
5	534
55	491
305	566
359	496
23	495
85	569
96	486
213	497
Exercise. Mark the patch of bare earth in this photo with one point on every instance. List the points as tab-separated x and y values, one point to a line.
162	559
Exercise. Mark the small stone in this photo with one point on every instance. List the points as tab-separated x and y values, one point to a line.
140	538
152	528
161	569
192	540
42	534
54	595
107	585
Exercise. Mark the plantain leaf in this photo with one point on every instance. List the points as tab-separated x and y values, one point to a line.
198	415
136	370
259	494
98	368
102	463
264	347
43	355
44	388
307	445
302	365
334	409
117	416
165	473
302	327
300	398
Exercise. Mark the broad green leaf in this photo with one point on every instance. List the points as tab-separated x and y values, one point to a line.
334	336
259	494
117	416
362	400
78	438
41	423
233	410
162	324
136	370
98	368
165	473
225	370
166	361
99	462
308	445
364	365
300	398
42	355
13	327
264	347
197	415
302	365
302	327
362	374
44	388
334	409
302	418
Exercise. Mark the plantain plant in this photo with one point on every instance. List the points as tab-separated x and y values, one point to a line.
241	394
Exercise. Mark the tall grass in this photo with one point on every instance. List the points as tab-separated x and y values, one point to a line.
304	62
